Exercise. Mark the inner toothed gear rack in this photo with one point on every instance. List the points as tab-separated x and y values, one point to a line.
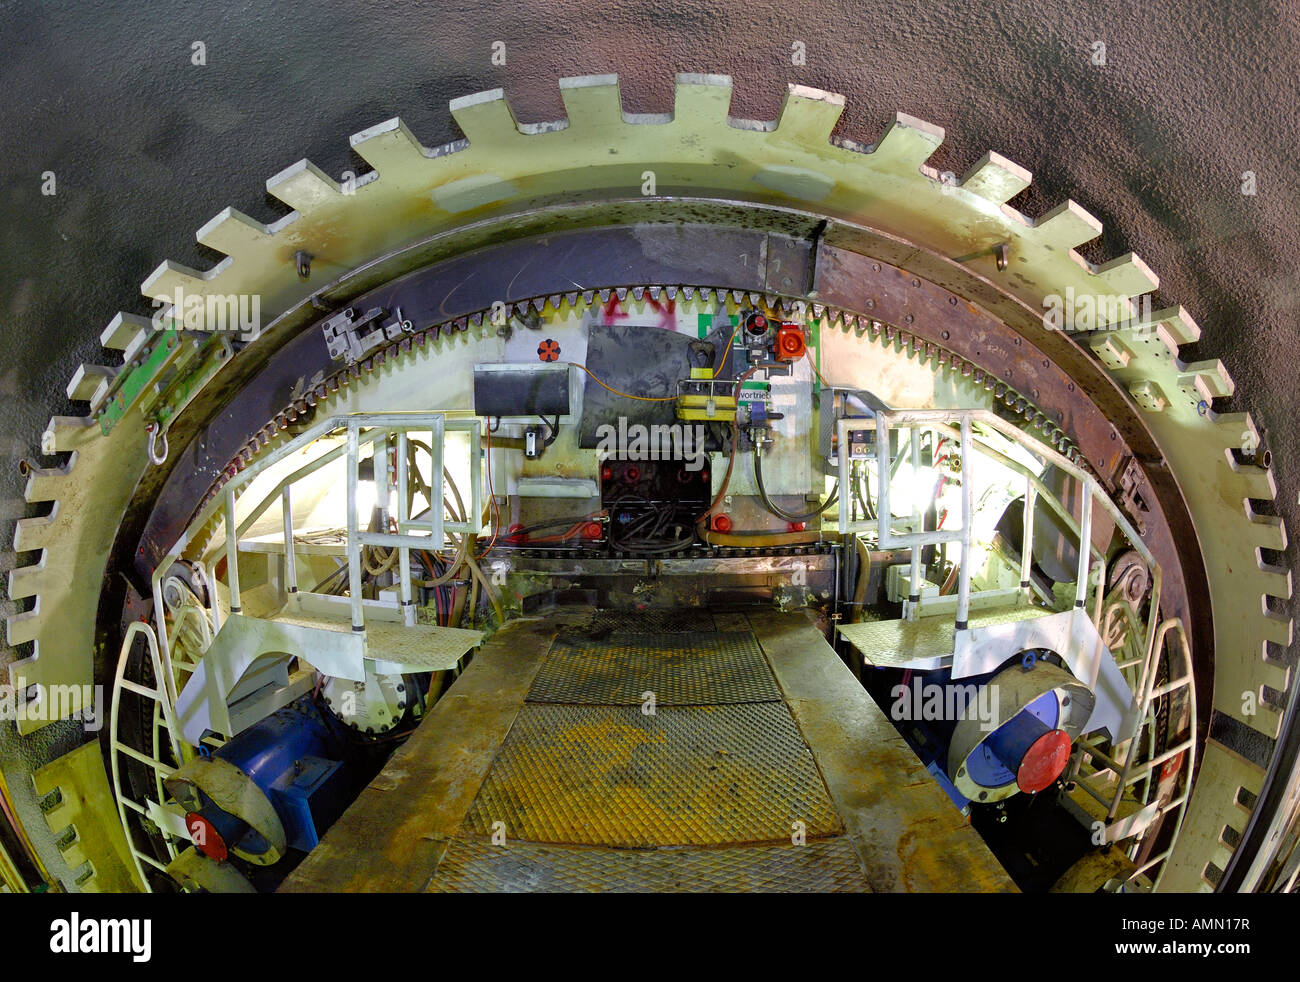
467	249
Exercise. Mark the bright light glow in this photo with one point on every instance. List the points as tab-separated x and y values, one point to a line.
909	487
366	497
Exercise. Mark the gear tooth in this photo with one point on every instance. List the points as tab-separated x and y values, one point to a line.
1067	226
230	231
808	115
170	277
1270	673
621	293
1277	584
1208	378
554	301
389	144
33	534
304	187
1178	324
572	299
592	102
1253	482
539	304
638	293
996	179
1173	326
67	433
126	333
1269	532
701	99
1128	276
90	384
22	628
28	581
47	483
907	143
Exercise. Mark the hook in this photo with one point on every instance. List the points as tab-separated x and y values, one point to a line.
157	457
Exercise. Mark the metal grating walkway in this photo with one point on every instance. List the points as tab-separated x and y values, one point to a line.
626	669
597	752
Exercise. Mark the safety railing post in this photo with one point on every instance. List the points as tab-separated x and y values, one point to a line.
353	544
1027	545
914	588
963	575
403	516
232	553
290	556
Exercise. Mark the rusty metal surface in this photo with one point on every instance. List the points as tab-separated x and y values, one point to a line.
820	866
683	669
910	837
393	835
686	776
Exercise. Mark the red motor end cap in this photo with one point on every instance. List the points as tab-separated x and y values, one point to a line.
1043	761
721	523
207	839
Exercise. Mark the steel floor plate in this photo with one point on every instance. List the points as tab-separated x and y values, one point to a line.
614	776
699	669
765	766
478	866
676	620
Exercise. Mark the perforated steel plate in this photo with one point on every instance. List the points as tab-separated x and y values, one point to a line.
698	669
820	866
613	776
656	621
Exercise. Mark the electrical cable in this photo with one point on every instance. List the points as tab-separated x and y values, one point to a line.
625	395
780	513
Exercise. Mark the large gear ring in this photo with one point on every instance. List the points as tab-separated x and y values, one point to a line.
601	167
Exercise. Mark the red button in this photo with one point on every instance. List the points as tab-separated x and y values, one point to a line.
206	837
1043	761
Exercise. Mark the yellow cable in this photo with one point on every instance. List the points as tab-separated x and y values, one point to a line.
625	395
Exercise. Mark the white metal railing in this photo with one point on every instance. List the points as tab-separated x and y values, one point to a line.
1129	772
1091	569
1036	492
359	430
160	707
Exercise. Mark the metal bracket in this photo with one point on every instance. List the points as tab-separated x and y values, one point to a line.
344	337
